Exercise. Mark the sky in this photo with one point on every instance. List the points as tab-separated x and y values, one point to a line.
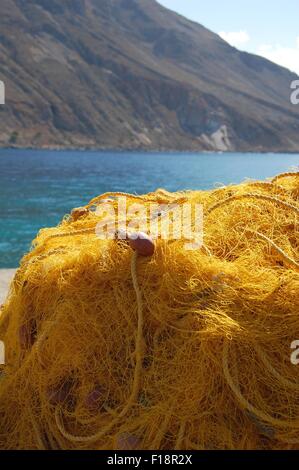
265	27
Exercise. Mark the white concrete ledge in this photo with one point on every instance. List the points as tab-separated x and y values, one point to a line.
6	276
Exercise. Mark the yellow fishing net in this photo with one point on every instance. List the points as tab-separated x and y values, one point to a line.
186	349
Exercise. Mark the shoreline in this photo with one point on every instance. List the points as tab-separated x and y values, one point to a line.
6	276
58	148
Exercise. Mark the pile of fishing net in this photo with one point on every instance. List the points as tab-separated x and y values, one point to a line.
184	349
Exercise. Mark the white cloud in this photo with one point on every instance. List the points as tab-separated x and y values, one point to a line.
286	56
235	38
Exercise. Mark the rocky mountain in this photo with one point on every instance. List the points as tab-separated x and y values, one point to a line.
132	74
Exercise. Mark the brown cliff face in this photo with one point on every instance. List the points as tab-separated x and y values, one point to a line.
131	74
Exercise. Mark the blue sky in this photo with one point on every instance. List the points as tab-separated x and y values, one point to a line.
265	27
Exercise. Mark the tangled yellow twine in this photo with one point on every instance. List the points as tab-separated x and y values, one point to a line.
106	349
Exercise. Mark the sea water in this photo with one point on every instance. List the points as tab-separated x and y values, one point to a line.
37	188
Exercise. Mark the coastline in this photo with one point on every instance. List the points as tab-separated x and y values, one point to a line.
6	276
95	148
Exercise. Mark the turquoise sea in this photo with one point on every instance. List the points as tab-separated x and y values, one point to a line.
37	188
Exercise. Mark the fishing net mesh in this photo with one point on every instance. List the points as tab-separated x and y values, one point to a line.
187	349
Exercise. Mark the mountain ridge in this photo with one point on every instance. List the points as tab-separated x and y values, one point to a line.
130	74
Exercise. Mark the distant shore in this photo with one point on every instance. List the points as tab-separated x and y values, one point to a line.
98	148
6	276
